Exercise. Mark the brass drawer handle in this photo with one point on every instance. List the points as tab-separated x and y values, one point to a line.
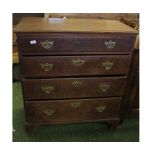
47	44
110	44
100	108
49	112
47	89
78	62
75	104
104	87
46	66
76	83
107	65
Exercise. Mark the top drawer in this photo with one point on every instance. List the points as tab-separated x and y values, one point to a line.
48	44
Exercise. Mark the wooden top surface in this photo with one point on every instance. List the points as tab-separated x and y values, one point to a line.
37	24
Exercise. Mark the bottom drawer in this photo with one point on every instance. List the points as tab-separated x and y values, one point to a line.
58	111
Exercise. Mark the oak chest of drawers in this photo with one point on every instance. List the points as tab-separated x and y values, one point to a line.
73	70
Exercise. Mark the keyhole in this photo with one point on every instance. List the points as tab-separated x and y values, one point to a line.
79	42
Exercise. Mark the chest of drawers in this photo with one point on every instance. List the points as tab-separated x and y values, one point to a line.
73	70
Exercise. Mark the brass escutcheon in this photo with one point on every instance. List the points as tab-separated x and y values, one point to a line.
49	112
107	65
47	89
78	62
110	44
104	87
47	44
76	83
100	108
46	66
75	104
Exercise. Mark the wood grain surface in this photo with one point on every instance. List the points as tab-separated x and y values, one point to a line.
63	66
60	111
36	24
63	88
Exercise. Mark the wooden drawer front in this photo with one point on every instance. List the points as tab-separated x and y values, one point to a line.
57	66
58	88
72	110
67	45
